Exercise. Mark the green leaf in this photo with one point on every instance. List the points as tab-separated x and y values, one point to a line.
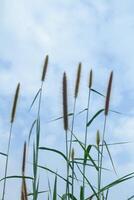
117	143
35	99
81	193
36	192
3	154
94	117
58	118
107	192
17	177
41	192
54	150
64	197
95	91
31	130
49	186
55	189
90	185
84	151
55	173
58	152
81	111
114	183
132	197
110	157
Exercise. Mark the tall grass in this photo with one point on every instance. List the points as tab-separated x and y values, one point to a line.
107	103
36	144
10	135
24	193
86	129
65	122
89	156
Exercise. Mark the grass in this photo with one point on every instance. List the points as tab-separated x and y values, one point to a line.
76	166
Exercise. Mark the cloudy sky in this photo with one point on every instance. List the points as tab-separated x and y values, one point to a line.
97	33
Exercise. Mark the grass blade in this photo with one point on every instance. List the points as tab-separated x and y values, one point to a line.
55	189
110	157
34	99
94	117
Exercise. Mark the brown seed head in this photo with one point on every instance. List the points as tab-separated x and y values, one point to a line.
24	159
77	83
98	138
72	154
15	103
45	68
108	94
90	78
24	194
65	103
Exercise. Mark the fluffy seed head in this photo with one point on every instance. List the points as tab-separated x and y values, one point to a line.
72	154
24	159
98	138
24	194
90	78
77	83
15	103
45	68
108	94
65	103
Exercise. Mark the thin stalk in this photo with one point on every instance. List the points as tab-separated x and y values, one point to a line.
40	97
85	142
102	149
7	159
107	103
72	158
74	107
35	182
87	116
10	134
99	172
72	177
65	122
76	92
72	128
67	184
24	194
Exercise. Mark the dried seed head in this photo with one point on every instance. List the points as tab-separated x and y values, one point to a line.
98	138
15	103
90	78
108	94
72	154
24	159
77	83
65	103
45	68
24	194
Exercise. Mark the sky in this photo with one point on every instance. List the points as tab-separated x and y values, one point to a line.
97	33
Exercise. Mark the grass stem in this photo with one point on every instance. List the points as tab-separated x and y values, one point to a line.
7	160
85	141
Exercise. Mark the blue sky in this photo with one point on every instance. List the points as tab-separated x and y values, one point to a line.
97	33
